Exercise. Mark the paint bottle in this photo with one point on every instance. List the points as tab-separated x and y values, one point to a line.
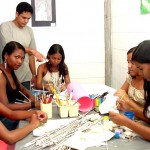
117	134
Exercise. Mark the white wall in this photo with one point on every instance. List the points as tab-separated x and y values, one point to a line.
129	28
79	29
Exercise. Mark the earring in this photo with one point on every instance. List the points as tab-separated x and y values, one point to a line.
5	64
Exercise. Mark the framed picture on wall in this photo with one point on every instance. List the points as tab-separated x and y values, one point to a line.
44	13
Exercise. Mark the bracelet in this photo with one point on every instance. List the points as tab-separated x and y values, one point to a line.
32	104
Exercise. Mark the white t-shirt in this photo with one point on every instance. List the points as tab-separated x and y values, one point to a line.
10	32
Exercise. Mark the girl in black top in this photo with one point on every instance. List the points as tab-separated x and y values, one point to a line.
13	56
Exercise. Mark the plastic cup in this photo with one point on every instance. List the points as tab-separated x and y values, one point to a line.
130	115
47	108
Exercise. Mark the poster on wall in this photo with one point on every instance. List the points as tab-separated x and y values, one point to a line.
145	6
44	13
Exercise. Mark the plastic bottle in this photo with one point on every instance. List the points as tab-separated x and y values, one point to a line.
106	123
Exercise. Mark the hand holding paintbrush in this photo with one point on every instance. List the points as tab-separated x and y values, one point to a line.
124	103
118	104
122	96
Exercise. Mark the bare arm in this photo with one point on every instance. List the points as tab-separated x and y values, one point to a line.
32	68
13	136
13	106
18	115
26	92
32	64
14	115
142	130
125	86
126	104
138	111
67	81
22	106
40	57
40	74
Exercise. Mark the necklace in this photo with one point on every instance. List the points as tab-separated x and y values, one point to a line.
56	82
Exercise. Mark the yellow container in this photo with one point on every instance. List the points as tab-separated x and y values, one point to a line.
63	111
47	108
68	109
74	110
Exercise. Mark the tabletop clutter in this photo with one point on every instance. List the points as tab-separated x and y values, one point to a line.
76	103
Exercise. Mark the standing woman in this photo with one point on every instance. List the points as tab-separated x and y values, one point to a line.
55	71
141	58
13	56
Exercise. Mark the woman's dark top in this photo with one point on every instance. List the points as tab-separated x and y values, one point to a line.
12	95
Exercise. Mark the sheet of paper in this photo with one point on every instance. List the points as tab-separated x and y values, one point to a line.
82	140
109	104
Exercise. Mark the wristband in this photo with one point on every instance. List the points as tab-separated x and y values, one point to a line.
32	104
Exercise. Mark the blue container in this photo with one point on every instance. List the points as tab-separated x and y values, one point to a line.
129	114
117	135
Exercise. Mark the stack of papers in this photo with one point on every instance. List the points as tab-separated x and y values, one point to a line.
95	136
51	125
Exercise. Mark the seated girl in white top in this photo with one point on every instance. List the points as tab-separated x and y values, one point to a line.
54	72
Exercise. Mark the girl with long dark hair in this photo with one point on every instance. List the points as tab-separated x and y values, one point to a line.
55	71
140	58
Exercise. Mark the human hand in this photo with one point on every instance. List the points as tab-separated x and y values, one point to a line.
121	94
34	121
63	87
118	118
126	105
122	97
33	81
39	57
42	116
48	87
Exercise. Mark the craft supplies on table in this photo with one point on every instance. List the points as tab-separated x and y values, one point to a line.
98	100
86	104
130	115
46	103
68	109
65	105
80	129
47	108
77	90
109	104
79	140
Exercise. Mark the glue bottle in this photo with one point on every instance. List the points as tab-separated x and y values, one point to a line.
106	122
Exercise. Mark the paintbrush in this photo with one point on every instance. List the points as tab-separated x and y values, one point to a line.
24	96
120	100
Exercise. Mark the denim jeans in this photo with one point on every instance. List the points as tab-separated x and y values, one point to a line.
10	124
